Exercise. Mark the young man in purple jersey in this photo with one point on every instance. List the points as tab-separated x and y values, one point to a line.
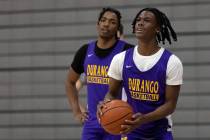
82	80
94	59
151	76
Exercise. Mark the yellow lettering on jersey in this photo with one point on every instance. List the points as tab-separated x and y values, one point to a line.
124	138
156	87
151	86
144	96
97	74
91	69
133	83
143	89
103	71
147	85
99	71
142	86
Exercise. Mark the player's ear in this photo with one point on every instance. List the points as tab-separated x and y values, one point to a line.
157	30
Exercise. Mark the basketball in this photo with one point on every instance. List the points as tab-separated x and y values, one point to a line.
114	114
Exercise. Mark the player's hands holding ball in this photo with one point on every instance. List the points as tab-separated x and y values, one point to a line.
100	106
112	115
132	124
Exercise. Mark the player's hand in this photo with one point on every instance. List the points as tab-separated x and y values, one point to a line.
100	106
81	116
130	125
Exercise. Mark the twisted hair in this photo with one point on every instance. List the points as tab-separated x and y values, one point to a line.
166	30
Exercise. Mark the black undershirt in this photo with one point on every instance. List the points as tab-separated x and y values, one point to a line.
79	58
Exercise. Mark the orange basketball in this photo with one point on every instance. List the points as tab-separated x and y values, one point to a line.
114	114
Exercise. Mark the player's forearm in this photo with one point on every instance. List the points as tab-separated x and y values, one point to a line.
161	112
114	89
110	96
72	95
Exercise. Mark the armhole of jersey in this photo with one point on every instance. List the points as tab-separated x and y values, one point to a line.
126	53
124	61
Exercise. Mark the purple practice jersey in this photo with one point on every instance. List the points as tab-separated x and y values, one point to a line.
96	70
146	92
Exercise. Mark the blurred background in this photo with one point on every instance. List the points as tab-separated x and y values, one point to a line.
38	39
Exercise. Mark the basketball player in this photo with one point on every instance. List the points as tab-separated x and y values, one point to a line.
94	59
82	80
152	77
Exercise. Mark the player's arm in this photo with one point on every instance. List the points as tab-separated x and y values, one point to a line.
114	89
115	76
72	93
79	85
172	93
171	97
81	82
173	84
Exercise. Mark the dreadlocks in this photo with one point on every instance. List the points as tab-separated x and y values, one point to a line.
164	24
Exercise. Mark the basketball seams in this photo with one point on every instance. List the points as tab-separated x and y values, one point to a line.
114	115
117	119
115	108
115	127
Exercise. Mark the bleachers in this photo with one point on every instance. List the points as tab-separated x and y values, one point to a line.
38	39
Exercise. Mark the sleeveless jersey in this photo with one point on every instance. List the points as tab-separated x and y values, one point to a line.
96	70
146	92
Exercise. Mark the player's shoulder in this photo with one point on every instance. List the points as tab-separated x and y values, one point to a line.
83	48
174	60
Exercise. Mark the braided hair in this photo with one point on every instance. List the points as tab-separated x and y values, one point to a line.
164	24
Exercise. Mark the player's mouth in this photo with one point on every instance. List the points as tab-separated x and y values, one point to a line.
104	30
139	30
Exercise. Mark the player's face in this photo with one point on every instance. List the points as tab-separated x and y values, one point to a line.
146	26
108	25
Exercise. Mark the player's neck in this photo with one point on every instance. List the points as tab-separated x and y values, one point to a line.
104	43
147	48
